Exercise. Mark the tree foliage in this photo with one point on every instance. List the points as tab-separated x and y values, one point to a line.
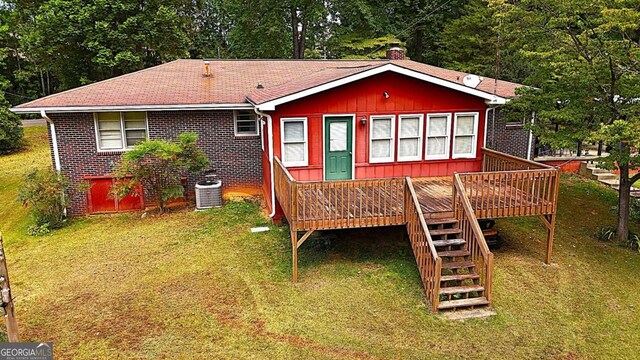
586	78
159	165
46	194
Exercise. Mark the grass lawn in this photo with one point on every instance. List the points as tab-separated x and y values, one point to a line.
200	285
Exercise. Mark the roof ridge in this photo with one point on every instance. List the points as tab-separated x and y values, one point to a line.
98	82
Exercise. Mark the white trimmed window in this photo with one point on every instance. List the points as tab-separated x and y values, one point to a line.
293	133
437	143
465	133
409	137
382	131
120	130
246	123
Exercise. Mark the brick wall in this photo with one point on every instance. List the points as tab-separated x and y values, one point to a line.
507	138
236	159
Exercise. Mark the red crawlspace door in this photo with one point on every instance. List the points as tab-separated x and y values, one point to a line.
99	201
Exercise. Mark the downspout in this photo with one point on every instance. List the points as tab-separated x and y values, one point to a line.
54	140
271	172
54	144
533	118
486	122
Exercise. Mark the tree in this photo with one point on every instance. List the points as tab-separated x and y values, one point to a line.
158	165
10	127
587	78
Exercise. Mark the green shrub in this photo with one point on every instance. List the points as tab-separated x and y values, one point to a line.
608	234
45	193
159	166
11	131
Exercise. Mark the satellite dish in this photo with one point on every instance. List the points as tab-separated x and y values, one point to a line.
471	80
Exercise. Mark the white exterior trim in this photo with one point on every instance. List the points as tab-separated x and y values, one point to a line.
445	156
418	157
353	142
123	134
486	121
392	147
113	108
306	141
474	143
493	99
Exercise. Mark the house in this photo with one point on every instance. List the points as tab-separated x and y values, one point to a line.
330	144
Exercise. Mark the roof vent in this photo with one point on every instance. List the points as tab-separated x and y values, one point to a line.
472	81
259	86
207	69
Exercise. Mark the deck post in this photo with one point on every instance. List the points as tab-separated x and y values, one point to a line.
550	233
294	253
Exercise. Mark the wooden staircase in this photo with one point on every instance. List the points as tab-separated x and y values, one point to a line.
459	282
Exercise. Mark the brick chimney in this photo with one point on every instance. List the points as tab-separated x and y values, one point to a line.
395	52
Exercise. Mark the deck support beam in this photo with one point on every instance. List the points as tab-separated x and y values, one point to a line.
550	222
295	244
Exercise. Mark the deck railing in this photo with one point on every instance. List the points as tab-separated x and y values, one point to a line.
472	234
285	188
510	186
427	259
497	161
310	205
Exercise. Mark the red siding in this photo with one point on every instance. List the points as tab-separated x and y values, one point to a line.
364	98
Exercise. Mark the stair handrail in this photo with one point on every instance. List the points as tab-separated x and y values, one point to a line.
472	233
430	266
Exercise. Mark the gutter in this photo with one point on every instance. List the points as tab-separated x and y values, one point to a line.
54	140
106	108
271	171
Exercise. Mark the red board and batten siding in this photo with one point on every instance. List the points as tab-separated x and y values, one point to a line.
364	98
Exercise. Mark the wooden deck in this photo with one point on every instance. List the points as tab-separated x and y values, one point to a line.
507	187
494	198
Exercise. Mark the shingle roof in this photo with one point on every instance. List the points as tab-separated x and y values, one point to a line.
182	82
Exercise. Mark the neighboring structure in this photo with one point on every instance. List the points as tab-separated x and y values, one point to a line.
513	138
331	144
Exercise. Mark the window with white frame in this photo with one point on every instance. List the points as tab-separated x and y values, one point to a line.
120	130
437	142
246	123
409	137
381	139
294	142
465	131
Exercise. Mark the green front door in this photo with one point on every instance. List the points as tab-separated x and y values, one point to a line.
338	148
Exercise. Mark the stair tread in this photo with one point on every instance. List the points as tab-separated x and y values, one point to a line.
458	264
454	253
460	289
441	221
456	277
463	303
449	242
445	231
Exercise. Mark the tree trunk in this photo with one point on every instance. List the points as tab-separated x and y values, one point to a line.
294	31
624	195
418	46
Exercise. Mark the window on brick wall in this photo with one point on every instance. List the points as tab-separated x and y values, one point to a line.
465	132
293	134
246	123
120	130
